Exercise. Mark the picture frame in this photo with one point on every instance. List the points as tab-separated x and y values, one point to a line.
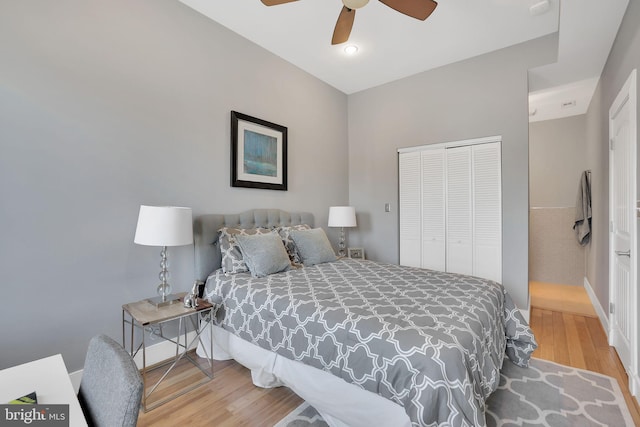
258	153
355	253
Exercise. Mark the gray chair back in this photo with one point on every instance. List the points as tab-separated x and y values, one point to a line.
111	387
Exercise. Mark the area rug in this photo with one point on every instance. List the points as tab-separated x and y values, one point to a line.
545	394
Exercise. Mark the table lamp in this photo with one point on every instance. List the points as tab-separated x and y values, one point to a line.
342	216
164	226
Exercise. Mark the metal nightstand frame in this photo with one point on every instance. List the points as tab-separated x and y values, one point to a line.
142	315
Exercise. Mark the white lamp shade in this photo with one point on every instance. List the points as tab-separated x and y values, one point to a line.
164	226
342	216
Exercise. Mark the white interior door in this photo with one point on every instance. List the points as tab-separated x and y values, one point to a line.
622	194
451	207
409	166
433	210
487	212
459	211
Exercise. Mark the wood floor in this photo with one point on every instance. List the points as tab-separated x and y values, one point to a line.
579	341
229	400
564	298
232	400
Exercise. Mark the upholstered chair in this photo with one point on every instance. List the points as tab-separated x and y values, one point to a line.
111	386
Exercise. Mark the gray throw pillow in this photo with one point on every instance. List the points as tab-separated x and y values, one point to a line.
313	246
285	233
232	261
264	254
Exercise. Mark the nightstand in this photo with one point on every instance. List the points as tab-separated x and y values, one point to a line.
162	322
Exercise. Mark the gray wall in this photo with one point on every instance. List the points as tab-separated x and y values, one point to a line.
482	96
557	158
108	105
624	57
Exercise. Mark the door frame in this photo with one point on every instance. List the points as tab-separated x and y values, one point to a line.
627	94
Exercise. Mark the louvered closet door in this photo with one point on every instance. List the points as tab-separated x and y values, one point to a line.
487	212
433	209
409	166
459	211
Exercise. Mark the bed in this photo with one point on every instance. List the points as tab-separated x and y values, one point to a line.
363	342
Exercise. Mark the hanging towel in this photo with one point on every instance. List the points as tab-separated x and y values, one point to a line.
582	224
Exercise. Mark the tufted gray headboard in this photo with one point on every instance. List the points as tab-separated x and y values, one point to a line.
205	232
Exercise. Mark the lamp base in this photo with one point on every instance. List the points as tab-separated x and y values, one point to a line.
341	244
160	301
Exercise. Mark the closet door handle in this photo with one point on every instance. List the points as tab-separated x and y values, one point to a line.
626	253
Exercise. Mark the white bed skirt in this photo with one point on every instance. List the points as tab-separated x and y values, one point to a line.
341	404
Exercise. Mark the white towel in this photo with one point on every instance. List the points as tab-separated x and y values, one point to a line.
582	224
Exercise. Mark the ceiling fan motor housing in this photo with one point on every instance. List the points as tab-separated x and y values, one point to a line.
355	4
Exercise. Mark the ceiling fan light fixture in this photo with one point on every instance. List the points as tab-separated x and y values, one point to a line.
355	4
351	49
418	9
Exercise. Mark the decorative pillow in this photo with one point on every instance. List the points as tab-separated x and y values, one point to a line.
264	254
232	261
285	233
313	246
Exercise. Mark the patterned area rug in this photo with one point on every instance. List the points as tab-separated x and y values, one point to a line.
545	394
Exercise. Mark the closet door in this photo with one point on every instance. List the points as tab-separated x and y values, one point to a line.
459	243
451	209
409	168
433	209
487	212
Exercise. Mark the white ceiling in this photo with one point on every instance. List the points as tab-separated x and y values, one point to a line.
587	31
393	46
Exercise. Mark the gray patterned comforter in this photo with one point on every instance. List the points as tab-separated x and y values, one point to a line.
430	341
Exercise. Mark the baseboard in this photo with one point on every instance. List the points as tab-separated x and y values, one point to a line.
526	314
602	313
155	353
634	387
634	379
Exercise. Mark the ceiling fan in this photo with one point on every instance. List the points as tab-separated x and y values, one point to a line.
419	9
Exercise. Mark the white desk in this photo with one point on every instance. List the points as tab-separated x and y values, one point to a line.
49	378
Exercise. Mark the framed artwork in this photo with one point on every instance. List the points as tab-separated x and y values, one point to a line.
258	153
357	253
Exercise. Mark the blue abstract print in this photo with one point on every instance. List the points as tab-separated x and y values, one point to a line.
260	154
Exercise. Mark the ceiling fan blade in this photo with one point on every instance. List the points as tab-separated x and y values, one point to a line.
419	9
343	26
276	2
